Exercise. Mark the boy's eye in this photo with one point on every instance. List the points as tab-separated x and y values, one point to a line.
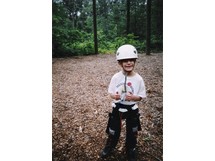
128	60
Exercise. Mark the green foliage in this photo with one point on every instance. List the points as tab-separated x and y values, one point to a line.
130	39
110	46
72	27
156	43
83	48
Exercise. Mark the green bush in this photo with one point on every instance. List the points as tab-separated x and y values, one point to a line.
156	43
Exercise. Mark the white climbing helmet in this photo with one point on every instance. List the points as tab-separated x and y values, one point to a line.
126	52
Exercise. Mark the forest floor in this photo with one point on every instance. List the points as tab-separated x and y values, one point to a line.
81	105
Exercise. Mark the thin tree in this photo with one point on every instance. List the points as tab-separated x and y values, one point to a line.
95	27
128	17
148	27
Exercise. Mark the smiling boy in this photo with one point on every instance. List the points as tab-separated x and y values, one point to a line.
126	88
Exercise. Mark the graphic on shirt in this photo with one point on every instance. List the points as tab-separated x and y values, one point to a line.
121	88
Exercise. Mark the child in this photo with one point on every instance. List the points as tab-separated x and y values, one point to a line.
126	89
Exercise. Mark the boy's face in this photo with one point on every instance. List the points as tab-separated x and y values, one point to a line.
127	64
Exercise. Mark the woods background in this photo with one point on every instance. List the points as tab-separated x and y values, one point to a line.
117	22
80	100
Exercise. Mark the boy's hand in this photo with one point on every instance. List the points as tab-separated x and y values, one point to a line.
129	97
117	97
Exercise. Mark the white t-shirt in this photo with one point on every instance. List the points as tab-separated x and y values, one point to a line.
134	85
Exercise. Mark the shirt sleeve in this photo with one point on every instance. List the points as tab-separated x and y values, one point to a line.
142	89
111	88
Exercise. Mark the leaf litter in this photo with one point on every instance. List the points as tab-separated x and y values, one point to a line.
81	105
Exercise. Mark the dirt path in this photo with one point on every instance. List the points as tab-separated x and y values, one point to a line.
81	105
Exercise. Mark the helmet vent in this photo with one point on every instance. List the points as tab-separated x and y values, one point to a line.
135	52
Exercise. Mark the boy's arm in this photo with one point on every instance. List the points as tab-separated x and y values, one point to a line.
129	97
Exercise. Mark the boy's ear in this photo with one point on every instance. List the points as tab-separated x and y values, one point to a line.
120	62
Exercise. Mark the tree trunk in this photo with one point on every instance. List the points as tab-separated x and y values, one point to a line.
148	28
95	27
128	17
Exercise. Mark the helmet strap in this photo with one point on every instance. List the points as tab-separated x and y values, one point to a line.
125	82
